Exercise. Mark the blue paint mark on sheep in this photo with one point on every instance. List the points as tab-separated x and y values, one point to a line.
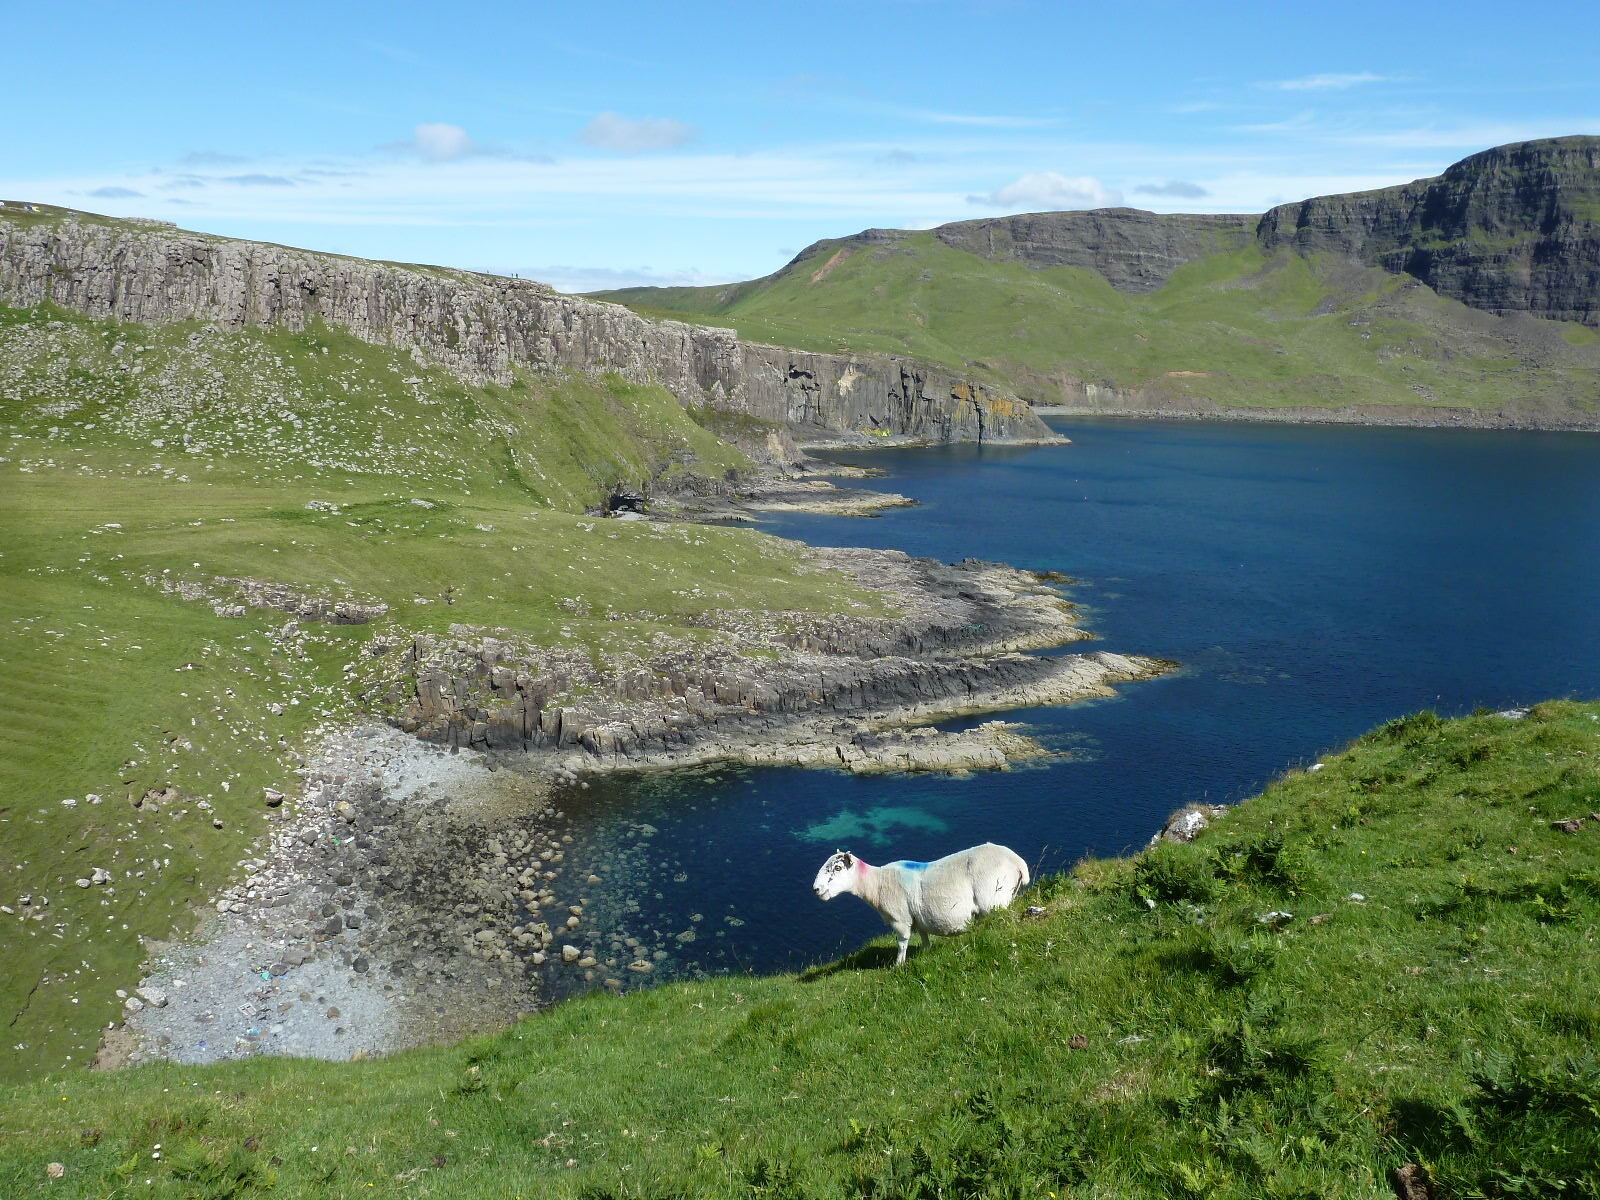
912	866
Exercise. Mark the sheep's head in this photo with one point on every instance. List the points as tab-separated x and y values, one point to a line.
835	875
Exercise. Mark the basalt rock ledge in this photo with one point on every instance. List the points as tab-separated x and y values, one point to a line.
484	327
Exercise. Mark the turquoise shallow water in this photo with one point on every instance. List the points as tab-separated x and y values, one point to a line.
1314	582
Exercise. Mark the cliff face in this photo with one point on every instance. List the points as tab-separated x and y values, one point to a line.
1513	229
482	326
1136	251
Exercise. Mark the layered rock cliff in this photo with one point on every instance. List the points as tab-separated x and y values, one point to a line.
1513	229
485	327
1136	251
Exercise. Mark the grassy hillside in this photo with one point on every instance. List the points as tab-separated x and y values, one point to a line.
1426	993
137	461
1237	328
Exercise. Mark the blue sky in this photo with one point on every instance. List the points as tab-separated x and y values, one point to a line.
606	144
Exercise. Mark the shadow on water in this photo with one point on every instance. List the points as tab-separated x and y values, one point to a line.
1313	581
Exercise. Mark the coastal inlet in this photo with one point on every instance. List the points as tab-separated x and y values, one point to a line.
498	848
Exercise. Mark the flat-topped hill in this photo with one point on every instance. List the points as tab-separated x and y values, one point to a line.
1471	298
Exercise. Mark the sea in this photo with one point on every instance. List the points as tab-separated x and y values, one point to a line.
1313	581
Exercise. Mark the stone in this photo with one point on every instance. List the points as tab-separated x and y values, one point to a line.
570	954
1185	824
1410	1182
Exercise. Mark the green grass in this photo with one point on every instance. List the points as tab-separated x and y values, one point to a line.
1234	328
130	455
1149	1036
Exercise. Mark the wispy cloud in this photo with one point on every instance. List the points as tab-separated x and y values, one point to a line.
114	193
613	131
1039	190
1180	188
257	180
616	209
1332	82
211	158
981	120
397	54
1465	137
1298	123
597	279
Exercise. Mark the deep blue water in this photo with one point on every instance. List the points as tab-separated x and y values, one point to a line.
1313	581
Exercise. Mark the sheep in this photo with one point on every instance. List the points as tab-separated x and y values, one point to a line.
939	897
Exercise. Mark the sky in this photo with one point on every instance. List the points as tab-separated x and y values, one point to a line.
611	144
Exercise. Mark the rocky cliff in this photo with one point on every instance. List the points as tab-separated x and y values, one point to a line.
1513	229
1136	251
482	326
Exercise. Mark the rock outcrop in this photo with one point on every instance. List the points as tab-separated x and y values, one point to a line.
485	327
1515	229
1136	251
816	681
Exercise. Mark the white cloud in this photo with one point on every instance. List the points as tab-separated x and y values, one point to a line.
613	131
114	193
441	142
1332	82
1040	190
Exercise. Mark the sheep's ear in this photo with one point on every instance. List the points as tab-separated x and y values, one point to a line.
849	859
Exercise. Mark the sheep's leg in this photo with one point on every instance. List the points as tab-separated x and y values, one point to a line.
926	940
903	932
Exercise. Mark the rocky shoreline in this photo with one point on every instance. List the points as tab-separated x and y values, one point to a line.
423	860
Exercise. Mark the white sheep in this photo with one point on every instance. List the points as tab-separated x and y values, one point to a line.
939	897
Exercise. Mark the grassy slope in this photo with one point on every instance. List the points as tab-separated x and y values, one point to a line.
1248	331
1447	1018
195	454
